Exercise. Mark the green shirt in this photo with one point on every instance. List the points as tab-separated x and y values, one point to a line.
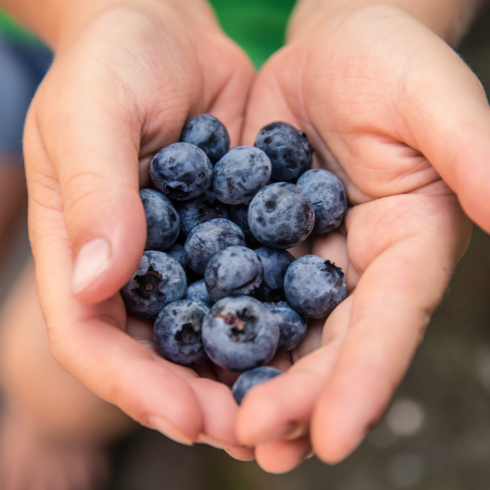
256	25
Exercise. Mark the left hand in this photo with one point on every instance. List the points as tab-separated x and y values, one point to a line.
389	108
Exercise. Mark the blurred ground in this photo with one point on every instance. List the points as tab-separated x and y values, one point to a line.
437	434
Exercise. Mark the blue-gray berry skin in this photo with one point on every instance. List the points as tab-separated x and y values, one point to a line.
281	216
314	286
240	333
209	238
327	195
158	281
209	134
289	150
178	253
240	174
177	332
199	210
276	263
239	215
162	220
198	292
235	271
248	380
292	325
181	171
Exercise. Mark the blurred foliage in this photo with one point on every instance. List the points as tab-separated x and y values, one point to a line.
257	25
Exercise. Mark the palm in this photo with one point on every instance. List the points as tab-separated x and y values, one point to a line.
113	97
361	91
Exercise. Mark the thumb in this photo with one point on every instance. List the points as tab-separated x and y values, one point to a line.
450	122
93	146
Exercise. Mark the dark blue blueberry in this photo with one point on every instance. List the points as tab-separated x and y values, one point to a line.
240	174
289	150
240	333
158	281
209	134
177	332
199	210
276	263
314	286
178	253
162	220
281	216
198	292
235	271
327	195
239	215
181	171
292	325
209	238
248	380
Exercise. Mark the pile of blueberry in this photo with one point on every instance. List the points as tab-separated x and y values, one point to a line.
216	274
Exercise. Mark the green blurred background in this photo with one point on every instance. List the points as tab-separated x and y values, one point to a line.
436	436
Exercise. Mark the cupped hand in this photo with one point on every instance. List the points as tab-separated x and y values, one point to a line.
401	120
122	87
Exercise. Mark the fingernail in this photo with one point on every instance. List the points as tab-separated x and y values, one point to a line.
211	441
299	431
91	261
241	454
280	433
162	426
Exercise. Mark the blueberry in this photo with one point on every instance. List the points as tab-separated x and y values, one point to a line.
198	292
199	210
181	171
289	150
158	281
177	332
239	215
240	333
281	216
209	238
240	174
178	253
235	271
314	286
162	220
327	195
209	134
292	325
248	380
276	263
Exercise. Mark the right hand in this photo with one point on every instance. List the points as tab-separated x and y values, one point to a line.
121	88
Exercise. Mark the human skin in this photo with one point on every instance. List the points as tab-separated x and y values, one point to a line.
392	110
121	74
126	77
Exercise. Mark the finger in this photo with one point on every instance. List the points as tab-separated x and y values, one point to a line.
89	341
94	156
404	280
281	408
282	456
218	413
449	122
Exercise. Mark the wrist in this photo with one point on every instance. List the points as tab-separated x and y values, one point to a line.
449	19
59	21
